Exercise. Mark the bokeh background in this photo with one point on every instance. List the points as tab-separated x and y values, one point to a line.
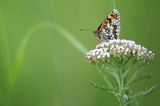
42	60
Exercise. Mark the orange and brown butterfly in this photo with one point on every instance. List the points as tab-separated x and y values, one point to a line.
110	27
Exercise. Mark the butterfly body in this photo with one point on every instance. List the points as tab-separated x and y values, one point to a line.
110	27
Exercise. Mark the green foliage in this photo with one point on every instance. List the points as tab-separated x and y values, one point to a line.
20	55
104	88
135	96
124	82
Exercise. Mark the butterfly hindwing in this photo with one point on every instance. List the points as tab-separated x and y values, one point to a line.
110	27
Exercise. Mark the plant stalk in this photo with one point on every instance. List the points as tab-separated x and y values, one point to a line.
122	96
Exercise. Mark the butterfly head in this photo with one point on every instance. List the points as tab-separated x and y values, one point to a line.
96	34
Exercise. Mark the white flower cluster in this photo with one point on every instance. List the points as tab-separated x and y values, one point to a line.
119	49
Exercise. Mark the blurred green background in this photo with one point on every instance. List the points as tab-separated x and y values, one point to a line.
42	60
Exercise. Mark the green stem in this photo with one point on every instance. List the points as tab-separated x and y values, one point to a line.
113	4
121	97
106	79
121	101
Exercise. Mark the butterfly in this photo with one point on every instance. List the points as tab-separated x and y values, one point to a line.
110	27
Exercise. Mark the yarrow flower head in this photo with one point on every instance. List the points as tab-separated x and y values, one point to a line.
119	50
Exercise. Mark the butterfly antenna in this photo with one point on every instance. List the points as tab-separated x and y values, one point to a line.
86	30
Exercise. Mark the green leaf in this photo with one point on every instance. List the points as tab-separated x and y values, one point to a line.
142	77
104	88
145	92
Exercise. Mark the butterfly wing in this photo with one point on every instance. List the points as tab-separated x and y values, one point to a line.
110	27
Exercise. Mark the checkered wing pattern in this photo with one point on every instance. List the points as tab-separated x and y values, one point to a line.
110	27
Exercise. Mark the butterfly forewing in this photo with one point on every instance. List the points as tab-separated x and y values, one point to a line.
110	27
